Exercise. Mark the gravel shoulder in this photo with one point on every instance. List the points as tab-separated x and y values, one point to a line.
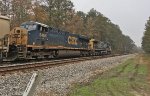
58	81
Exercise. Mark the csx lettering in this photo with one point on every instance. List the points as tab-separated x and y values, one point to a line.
72	40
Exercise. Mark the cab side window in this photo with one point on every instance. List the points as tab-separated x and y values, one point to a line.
39	27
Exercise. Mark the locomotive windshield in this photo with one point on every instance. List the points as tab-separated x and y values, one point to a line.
29	27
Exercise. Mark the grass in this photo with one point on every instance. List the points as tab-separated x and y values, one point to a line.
128	79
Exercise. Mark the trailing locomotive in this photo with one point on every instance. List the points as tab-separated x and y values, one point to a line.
37	40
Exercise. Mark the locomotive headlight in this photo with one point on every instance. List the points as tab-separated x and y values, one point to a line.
18	31
33	43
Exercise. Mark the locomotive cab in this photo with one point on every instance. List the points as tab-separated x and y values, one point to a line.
21	40
92	46
37	39
37	33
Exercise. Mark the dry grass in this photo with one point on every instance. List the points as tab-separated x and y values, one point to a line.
128	79
145	59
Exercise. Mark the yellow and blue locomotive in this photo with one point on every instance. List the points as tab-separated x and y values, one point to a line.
34	40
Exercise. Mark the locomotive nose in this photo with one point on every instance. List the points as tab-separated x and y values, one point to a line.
18	36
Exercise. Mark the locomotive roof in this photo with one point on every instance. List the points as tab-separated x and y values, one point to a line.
44	25
32	22
84	37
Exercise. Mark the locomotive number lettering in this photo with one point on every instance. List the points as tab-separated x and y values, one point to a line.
72	40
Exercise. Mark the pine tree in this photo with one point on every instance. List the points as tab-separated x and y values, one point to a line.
58	12
146	38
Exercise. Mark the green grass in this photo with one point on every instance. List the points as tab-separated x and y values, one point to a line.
116	82
143	70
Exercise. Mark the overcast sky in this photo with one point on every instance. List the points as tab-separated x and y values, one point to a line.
130	15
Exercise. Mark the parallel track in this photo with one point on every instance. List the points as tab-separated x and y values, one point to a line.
43	64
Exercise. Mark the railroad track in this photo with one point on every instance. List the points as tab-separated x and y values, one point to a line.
43	64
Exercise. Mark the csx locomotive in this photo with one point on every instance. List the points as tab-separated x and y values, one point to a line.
33	40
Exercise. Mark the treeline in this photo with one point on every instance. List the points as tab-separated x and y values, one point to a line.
146	38
61	14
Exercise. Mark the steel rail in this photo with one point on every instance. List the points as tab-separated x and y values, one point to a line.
43	64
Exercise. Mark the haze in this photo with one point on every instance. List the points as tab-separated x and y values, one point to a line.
130	15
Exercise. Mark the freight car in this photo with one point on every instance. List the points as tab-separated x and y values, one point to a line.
4	29
37	40
4	26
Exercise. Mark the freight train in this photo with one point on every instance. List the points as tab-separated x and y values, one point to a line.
34	40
